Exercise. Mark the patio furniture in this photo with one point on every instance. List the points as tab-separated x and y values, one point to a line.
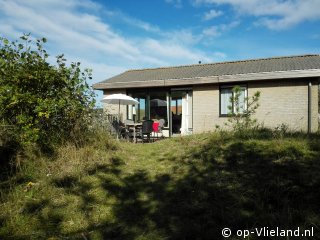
133	128
161	125
120	129
157	128
145	131
119	99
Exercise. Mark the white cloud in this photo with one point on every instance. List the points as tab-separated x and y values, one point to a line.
274	14
212	14
182	36
69	30
174	51
75	29
212	31
176	3
132	21
216	31
219	55
315	36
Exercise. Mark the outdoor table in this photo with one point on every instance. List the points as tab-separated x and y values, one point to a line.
134	126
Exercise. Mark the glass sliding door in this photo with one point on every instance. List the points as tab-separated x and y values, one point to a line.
176	112
174	107
181	109
138	112
159	106
186	121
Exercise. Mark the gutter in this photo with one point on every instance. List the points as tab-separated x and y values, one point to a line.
309	106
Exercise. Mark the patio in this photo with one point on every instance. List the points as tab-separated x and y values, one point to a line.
145	131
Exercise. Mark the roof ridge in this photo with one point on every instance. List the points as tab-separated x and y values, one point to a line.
227	62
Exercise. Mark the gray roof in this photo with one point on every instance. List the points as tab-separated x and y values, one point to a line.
215	72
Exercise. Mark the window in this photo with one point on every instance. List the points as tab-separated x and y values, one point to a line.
176	106
159	106
137	112
226	92
153	105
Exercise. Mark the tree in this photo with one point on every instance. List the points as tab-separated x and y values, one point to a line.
241	110
44	103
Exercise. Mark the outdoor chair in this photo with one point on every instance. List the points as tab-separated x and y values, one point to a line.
161	125
145	131
120	129
157	128
129	129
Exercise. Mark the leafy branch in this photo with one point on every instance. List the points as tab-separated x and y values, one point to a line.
241	110
45	103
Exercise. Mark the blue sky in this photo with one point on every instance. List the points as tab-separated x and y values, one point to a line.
116	35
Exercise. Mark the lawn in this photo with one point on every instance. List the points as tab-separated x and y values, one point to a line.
179	188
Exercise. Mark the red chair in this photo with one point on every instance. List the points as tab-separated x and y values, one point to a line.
155	127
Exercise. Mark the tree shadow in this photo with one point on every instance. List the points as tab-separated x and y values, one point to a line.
235	184
8	152
256	185
194	206
281	181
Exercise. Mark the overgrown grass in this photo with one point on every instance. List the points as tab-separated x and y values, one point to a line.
179	188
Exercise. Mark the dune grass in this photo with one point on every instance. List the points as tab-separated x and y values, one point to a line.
179	188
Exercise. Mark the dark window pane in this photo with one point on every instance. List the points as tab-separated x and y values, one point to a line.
158	106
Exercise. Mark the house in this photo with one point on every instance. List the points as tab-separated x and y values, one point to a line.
195	98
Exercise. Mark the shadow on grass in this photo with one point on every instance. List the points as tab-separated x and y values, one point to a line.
235	184
256	185
8	152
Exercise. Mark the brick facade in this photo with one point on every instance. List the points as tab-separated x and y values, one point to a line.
281	102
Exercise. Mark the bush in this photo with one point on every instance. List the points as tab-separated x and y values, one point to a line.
44	104
99	133
240	113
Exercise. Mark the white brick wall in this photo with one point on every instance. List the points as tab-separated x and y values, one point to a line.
281	101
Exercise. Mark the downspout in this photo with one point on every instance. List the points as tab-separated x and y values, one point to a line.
309	106
169	99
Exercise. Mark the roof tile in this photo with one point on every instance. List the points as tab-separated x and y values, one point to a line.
276	64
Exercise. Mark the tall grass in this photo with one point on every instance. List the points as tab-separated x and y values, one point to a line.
40	194
180	188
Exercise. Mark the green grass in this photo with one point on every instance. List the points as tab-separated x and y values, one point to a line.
179	188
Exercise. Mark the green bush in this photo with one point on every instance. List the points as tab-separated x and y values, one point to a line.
44	104
241	113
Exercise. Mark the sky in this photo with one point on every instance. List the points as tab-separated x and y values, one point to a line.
113	36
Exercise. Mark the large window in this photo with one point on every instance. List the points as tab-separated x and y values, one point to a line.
226	106
138	112
159	106
152	105
176	111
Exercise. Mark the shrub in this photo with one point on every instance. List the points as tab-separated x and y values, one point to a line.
241	112
44	103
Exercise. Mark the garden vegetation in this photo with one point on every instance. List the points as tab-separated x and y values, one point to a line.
68	178
41	103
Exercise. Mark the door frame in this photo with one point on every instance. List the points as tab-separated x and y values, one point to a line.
182	89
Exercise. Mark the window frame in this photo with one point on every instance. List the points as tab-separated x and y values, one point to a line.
231	86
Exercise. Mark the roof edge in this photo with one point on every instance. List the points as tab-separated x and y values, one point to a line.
211	79
226	62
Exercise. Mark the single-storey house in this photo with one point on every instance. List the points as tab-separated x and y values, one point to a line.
195	98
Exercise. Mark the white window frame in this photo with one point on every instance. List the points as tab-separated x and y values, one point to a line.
230	87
